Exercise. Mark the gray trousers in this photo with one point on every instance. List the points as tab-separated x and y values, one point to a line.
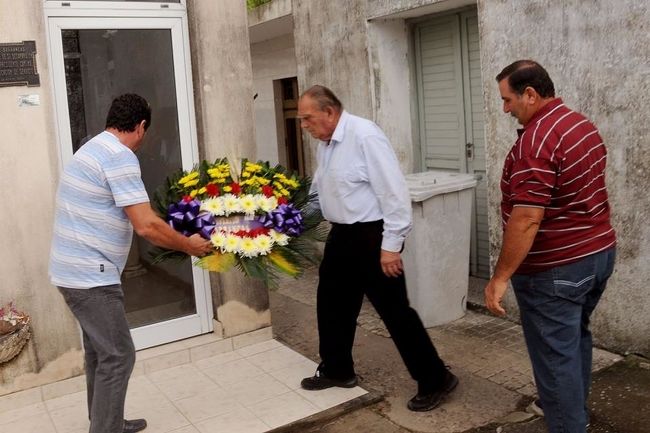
109	352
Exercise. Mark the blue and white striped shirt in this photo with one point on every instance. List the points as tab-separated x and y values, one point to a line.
92	234
358	179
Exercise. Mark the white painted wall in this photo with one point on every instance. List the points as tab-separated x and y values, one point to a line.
273	59
392	87
223	96
29	165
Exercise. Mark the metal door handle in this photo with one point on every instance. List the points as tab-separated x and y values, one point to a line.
469	150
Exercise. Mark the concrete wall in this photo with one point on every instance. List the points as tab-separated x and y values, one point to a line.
412	8
272	60
223	95
331	49
393	89
29	172
597	53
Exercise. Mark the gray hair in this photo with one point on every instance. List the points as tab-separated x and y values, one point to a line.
324	97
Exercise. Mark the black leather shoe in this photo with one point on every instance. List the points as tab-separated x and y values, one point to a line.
319	381
431	400
134	425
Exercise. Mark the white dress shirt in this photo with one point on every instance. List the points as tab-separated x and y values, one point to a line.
358	179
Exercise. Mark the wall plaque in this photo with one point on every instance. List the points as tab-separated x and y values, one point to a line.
18	64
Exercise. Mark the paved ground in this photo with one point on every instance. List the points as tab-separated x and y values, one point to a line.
250	383
191	386
488	355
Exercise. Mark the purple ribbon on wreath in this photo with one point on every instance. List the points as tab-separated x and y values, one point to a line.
284	219
187	218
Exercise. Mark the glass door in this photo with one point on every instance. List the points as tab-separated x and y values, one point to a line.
95	59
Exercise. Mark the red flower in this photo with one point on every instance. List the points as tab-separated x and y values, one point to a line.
212	190
187	198
236	188
283	200
253	233
267	190
259	231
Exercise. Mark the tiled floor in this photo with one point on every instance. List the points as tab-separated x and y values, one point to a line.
252	389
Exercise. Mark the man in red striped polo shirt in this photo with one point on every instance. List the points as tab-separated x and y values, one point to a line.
558	244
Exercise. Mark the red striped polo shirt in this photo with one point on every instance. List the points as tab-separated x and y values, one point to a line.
558	163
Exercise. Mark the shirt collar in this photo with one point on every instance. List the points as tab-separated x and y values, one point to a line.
339	132
541	113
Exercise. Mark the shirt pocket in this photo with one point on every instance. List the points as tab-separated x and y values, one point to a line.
346	180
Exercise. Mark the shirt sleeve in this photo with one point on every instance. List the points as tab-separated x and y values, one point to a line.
388	183
532	181
123	175
314	205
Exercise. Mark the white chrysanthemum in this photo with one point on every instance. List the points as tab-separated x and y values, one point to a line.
213	205
232	243
264	244
248	204
279	238
248	247
231	204
218	239
267	204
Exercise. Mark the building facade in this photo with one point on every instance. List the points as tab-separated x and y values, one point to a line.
191	61
223	81
424	70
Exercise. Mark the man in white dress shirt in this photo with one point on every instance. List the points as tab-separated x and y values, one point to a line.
363	194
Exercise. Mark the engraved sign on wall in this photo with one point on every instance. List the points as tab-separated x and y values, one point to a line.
18	64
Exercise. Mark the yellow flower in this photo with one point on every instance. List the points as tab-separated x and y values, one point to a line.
213	205
194	193
254	168
202	190
248	247
191	183
218	239
262	181
227	188
231	204
279	238
263	244
231	244
185	179
267	204
248	204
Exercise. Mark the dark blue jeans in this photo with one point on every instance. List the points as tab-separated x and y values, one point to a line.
555	309
109	352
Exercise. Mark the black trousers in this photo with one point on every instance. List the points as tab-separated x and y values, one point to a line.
350	269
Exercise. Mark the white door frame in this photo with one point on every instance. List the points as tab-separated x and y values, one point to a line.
82	15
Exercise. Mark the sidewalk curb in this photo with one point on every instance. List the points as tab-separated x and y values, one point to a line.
332	413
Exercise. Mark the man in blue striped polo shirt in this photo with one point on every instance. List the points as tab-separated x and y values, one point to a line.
100	200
